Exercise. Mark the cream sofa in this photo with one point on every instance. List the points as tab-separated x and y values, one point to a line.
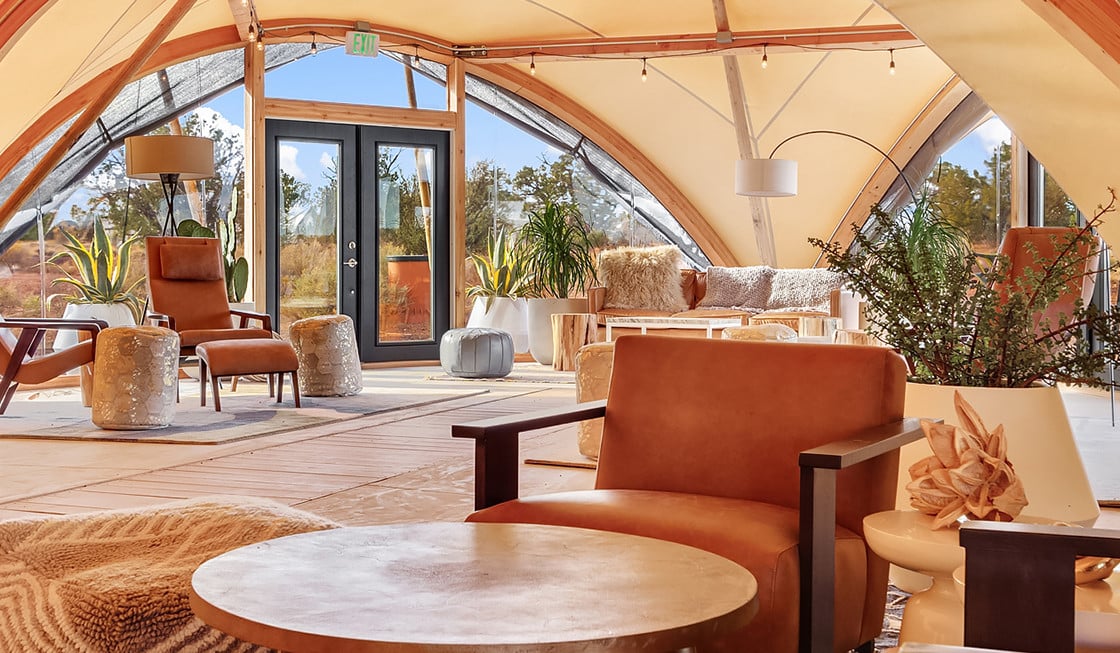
723	292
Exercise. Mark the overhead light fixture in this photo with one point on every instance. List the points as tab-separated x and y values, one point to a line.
645	75
169	159
314	46
772	177
764	57
532	64
892	61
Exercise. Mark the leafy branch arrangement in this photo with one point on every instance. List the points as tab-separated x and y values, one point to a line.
962	320
102	270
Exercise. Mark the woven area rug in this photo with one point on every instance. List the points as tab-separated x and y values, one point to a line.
247	413
522	373
118	580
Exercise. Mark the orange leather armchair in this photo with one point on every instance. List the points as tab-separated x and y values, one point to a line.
17	355
187	289
735	447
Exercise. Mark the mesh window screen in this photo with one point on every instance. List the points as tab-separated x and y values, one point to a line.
143	105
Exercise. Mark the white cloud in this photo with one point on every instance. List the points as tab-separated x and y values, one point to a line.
992	133
326	161
288	162
211	121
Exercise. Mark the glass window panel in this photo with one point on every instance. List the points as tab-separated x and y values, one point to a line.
340	77
973	184
404	221
309	209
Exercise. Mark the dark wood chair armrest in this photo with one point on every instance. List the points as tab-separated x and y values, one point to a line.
32	330
495	446
1019	582
817	546
265	318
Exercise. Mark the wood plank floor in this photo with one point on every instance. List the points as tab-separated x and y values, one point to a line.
403	467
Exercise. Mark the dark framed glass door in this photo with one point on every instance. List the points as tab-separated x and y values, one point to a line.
358	224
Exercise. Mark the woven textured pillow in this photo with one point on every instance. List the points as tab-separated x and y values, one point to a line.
642	277
741	287
802	288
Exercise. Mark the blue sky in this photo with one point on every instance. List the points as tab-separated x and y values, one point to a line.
334	76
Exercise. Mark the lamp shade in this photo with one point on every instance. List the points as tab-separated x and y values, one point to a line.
148	157
766	177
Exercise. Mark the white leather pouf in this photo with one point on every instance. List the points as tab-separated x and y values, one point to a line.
476	353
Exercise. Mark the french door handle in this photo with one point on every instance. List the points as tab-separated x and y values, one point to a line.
351	263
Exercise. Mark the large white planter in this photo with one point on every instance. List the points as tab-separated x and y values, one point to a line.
1040	445
507	314
540	323
115	314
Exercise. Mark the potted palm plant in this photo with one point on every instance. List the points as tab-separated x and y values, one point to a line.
99	282
499	296
974	327
559	263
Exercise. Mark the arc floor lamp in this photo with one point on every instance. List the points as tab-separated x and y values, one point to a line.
772	177
169	159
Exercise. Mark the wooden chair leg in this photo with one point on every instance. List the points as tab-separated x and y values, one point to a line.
217	394
295	387
7	389
233	385
271	386
201	383
279	386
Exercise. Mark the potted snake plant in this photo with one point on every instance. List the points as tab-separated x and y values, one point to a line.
99	283
499	295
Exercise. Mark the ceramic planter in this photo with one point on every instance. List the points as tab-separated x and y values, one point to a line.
507	314
1040	445
115	314
540	323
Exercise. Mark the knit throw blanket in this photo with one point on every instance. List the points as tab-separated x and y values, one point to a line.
118	580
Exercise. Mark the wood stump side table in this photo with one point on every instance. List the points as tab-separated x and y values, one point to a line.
570	331
136	376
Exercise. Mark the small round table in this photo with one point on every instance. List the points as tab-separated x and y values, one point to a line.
471	588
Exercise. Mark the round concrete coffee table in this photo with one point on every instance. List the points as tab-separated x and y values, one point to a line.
472	588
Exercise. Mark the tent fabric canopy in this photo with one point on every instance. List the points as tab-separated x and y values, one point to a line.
827	69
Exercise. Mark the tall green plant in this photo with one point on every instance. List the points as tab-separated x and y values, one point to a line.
102	270
501	272
236	267
958	322
557	251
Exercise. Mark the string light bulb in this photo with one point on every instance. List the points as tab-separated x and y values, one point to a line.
645	75
532	64
260	38
764	57
314	45
891	69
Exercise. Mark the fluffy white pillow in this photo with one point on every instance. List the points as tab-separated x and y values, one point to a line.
802	288
642	277
740	287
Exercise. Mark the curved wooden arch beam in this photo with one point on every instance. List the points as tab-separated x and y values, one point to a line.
917	133
122	74
618	147
16	17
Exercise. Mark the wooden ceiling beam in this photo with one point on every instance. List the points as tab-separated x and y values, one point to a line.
871	37
122	74
242	17
16	17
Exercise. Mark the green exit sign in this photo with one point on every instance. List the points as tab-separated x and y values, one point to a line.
363	44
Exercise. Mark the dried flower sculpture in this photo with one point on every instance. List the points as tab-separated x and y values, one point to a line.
968	474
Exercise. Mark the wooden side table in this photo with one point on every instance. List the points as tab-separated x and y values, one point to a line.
570	331
473	588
